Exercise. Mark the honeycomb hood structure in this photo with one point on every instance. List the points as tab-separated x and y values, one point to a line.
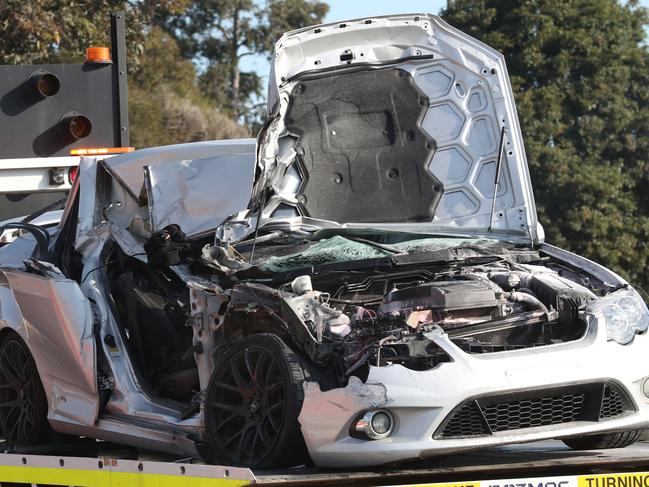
394	122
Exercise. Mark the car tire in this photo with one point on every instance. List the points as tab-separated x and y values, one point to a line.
23	405
604	441
252	404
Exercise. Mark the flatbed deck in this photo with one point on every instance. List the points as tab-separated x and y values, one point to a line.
542	464
542	459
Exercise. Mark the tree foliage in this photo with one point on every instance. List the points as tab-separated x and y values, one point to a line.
579	70
221	33
166	105
55	31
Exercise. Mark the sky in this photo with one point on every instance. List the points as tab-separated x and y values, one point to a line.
354	9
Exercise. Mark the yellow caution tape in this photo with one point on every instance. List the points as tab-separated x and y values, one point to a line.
640	479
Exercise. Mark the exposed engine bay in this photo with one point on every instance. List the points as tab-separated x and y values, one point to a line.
343	316
354	319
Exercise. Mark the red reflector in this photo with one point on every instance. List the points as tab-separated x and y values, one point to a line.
73	173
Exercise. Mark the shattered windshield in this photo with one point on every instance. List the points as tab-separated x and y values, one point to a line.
343	249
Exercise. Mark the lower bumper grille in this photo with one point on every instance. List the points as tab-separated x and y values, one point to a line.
536	411
485	415
615	402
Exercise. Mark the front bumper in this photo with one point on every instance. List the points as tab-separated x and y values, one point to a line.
421	401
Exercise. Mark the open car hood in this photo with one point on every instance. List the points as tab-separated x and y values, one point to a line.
394	121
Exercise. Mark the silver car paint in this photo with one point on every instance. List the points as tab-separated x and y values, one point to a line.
56	321
128	169
194	193
129	399
607	276
420	401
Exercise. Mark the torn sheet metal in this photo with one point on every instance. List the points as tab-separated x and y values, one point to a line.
316	418
128	168
198	194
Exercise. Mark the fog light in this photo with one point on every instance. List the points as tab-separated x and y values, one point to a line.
381	423
373	425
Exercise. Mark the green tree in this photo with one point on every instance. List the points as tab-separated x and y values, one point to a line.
579	70
220	33
59	30
166	105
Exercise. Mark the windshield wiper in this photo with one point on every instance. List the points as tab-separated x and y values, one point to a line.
372	243
269	237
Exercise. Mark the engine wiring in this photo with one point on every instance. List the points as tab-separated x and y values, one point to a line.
110	262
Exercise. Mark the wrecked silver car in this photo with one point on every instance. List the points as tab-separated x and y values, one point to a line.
366	283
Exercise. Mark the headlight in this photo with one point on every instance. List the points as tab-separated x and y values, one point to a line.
623	312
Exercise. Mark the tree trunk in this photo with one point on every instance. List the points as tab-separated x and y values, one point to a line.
234	65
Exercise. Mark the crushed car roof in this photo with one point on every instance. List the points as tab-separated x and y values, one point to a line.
196	186
128	168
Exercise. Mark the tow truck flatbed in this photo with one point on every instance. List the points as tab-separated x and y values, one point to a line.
543	464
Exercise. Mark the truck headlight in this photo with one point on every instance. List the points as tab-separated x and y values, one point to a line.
623	312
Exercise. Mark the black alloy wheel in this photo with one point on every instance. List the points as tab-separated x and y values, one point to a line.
23	407
252	404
